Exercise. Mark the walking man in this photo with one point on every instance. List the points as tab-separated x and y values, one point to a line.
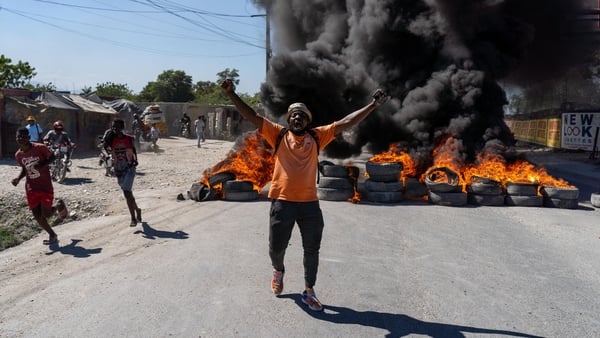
199	125
34	159
35	131
293	190
125	163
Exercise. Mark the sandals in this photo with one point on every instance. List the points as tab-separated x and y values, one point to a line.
51	240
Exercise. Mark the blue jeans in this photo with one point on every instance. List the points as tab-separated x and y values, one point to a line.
283	216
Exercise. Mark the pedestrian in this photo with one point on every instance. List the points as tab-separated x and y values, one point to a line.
154	136
293	190
137	126
35	131
199	125
125	163
34	159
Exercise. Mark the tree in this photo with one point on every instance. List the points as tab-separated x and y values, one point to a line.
210	92
228	74
14	75
50	87
114	90
86	91
170	86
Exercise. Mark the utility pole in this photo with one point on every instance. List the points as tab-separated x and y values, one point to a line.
268	52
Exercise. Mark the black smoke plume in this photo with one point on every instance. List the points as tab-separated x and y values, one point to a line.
440	60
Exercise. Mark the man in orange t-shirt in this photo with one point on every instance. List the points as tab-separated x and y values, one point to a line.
293	187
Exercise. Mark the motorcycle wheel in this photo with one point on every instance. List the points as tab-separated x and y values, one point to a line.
62	172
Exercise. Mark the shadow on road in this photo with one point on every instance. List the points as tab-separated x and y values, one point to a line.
151	233
76	181
73	249
397	325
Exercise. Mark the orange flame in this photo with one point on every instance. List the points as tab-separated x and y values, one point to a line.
252	162
393	154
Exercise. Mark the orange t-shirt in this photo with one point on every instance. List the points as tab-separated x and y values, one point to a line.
295	173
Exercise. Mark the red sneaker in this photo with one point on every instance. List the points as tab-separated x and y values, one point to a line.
277	282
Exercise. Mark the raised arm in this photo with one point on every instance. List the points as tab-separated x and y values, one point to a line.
356	116
247	112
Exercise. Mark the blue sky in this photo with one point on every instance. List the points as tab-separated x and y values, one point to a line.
78	43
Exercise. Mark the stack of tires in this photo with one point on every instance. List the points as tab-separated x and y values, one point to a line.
336	182
523	194
384	184
413	189
485	191
443	187
563	198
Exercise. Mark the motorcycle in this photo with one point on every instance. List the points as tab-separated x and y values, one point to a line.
105	160
62	162
185	129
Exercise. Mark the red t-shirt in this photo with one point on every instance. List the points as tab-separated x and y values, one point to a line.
296	162
36	180
123	155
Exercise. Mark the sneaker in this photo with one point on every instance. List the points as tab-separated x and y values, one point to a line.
312	301
62	209
277	282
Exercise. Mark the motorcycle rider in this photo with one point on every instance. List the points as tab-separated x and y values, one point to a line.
58	137
185	122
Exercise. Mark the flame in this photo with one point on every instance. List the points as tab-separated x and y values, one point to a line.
356	197
252	162
393	154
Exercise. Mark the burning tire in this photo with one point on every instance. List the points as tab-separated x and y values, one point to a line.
329	194
334	170
454	199
521	189
560	193
413	189
523	200
561	203
383	172
485	188
485	200
240	195
342	183
442	180
384	196
371	185
220	178
234	185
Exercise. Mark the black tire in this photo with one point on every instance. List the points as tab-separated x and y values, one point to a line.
220	178
337	171
323	164
524	200
328	194
479	179
383	169
234	185
486	200
240	195
560	193
484	188
384	196
62	172
521	189
436	186
385	178
336	183
413	189
561	203
371	185
453	199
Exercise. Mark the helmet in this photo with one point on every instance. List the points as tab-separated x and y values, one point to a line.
58	125
30	118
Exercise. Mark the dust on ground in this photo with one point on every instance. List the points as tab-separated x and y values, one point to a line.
88	193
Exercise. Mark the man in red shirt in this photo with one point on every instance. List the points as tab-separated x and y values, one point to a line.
34	159
293	191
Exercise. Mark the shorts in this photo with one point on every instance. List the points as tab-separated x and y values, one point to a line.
43	198
126	180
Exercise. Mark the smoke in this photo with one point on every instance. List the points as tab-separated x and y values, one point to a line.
440	60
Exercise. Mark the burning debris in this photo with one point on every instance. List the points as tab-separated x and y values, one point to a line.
441	62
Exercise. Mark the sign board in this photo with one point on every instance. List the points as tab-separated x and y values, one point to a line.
579	130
